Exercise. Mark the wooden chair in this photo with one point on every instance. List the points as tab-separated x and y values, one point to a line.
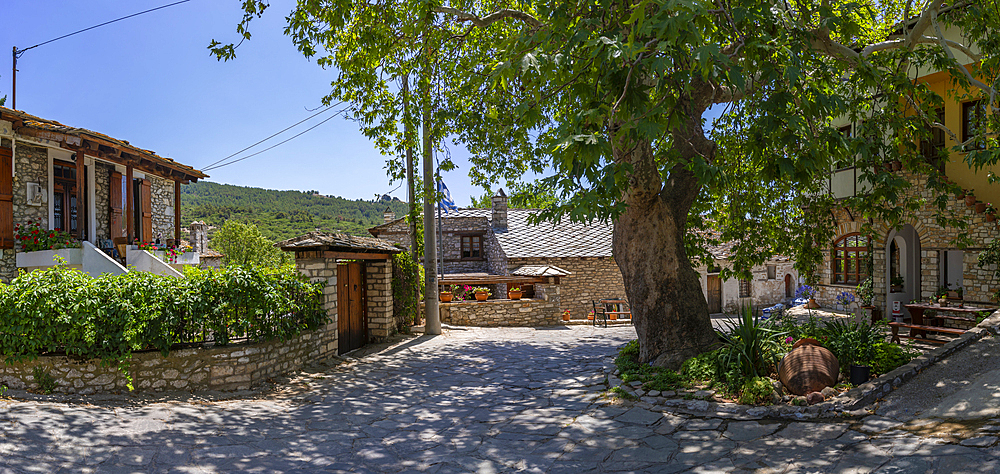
121	243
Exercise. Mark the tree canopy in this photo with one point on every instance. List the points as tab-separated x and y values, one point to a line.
607	98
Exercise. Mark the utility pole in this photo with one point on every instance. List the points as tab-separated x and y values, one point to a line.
431	313
13	80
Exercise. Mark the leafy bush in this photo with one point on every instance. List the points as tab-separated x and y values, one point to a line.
62	310
46	382
407	287
242	244
653	378
756	391
886	357
701	367
852	341
750	348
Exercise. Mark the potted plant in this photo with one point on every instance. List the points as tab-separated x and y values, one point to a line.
991	212
959	293
590	316
514	293
863	352
866	293
845	299
566	315
446	296
980	207
896	165
970	198
482	293
896	284
809	293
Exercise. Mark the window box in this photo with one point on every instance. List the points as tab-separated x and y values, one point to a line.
46	258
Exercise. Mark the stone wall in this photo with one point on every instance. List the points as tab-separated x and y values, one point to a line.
764	291
543	310
235	367
102	201
378	283
592	278
162	192
31	166
451	245
934	239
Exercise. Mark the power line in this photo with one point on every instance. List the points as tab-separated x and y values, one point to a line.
21	51
277	144
274	135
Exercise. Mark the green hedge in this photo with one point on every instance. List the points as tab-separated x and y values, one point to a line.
62	310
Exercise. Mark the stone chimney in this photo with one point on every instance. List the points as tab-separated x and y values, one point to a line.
199	236
388	215
499	211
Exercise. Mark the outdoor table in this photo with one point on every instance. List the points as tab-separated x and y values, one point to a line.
610	306
917	315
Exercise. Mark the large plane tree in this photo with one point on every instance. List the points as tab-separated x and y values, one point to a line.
607	98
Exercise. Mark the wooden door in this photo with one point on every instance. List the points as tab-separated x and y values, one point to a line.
789	286
352	331
6	199
117	203
146	207
714	294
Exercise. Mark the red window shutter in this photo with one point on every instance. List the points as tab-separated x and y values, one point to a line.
146	201
117	225
6	199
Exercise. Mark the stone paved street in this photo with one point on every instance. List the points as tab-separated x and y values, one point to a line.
472	400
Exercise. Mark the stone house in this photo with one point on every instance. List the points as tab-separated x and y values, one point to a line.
501	241
83	182
914	260
771	283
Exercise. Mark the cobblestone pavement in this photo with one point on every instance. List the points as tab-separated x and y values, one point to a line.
475	400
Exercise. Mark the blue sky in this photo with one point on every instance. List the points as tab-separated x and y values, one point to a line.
150	80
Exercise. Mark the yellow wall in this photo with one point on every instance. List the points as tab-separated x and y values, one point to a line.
956	169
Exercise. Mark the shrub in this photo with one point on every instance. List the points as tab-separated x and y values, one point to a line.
887	357
851	341
653	378
701	367
62	310
756	391
46	382
750	348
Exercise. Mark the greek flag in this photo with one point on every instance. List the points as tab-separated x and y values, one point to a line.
446	203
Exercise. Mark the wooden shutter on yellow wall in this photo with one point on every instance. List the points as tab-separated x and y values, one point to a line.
117	225
146	203
6	200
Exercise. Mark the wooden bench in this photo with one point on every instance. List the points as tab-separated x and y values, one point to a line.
920	327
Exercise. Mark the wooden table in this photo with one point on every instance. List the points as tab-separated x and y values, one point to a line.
917	315
615	307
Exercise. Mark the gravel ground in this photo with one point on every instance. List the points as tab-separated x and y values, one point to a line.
962	386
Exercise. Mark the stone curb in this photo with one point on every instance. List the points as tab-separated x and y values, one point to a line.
851	403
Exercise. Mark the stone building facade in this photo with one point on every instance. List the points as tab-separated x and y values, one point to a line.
66	178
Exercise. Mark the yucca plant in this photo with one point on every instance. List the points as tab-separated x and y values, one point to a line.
750	347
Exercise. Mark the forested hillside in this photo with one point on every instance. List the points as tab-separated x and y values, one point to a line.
282	214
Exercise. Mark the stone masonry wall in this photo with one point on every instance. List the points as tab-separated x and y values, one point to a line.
977	283
378	281
102	204
31	166
162	192
540	311
451	244
592	278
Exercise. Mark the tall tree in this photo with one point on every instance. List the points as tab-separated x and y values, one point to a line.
609	96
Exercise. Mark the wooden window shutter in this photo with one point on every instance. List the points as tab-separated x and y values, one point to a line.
117	225
146	203
6	199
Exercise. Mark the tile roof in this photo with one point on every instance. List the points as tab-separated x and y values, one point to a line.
32	121
540	271
338	242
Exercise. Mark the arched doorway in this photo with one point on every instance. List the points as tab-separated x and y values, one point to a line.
901	267
789	286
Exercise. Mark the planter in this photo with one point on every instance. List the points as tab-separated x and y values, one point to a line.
446	296
612	316
980	207
590	317
482	296
565	316
860	374
970	200
954	295
896	165
812	304
46	258
514	295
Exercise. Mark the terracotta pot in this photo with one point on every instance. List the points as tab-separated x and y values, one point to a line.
612	317
970	200
812	304
590	317
446	296
897	165
514	295
482	296
991	217
980	207
806	341
808	369
565	316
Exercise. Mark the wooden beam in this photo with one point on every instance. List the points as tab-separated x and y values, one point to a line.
129	199
356	255
177	212
81	209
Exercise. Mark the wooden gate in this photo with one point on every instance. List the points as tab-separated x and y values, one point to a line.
714	294
789	286
352	328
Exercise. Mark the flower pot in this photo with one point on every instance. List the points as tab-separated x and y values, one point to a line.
970	200
860	374
590	317
980	207
482	296
991	217
612	317
446	296
514	295
812	304
565	316
896	165
953	295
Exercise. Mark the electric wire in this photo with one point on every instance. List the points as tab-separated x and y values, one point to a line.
21	51
211	165
279	143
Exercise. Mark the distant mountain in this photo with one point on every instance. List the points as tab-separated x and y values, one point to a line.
282	214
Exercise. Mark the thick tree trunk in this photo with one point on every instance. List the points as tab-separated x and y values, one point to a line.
664	291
